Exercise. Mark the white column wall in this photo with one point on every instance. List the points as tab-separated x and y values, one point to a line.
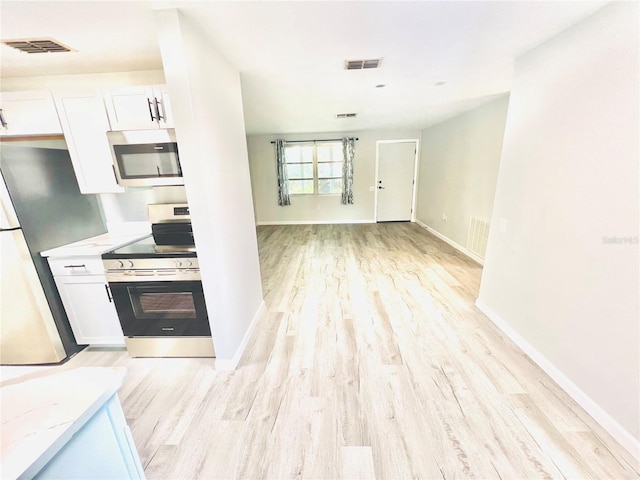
567	186
209	122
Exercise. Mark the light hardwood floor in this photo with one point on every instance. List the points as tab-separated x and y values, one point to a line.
372	362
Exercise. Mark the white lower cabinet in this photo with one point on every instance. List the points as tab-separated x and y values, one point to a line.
85	295
103	448
67	424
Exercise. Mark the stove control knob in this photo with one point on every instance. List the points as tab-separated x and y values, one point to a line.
178	263
120	264
130	263
189	263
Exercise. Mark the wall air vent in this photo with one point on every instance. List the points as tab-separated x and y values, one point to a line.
478	235
346	115
39	45
362	64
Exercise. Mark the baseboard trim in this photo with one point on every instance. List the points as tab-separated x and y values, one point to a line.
617	431
455	245
231	364
313	222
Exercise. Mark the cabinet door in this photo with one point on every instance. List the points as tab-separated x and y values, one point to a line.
28	113
134	108
85	125
161	93
91	312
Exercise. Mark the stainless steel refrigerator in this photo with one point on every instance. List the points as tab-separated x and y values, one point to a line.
42	208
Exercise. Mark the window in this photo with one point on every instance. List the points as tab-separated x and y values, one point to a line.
314	168
300	168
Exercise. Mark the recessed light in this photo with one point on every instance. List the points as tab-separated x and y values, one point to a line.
439	84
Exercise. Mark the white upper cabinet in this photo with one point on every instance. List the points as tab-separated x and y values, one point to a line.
139	108
85	125
28	113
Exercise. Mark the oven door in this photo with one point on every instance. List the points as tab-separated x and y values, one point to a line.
161	309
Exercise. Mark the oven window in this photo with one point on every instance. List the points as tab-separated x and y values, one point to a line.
161	304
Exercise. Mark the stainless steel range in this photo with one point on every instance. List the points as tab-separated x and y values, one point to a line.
156	288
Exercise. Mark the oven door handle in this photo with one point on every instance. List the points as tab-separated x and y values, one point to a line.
150	275
144	273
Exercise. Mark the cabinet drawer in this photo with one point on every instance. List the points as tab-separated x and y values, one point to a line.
61	266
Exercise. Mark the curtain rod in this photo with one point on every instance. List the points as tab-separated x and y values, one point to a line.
314	141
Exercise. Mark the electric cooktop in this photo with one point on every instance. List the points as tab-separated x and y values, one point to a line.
147	248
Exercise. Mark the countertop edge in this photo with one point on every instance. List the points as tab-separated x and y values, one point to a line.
113	378
94	246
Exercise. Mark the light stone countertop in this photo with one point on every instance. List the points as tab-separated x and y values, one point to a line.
41	411
94	246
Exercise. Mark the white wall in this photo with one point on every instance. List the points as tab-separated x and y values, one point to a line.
94	80
459	161
568	180
121	210
317	208
209	122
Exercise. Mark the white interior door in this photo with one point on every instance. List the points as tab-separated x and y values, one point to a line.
396	170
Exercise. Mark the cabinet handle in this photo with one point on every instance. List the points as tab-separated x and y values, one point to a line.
150	110
157	103
75	266
106	287
3	123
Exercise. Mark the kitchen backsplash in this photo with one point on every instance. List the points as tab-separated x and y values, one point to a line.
131	206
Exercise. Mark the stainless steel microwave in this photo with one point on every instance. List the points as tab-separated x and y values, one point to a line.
144	158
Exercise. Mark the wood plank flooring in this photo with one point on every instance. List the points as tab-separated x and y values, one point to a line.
372	362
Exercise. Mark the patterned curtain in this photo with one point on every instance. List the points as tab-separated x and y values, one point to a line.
283	179
348	145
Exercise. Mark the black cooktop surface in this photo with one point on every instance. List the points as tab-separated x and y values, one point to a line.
147	248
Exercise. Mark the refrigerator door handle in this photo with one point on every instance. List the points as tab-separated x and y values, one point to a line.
8	217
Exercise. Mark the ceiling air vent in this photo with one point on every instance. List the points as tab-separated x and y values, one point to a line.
362	64
346	115
40	45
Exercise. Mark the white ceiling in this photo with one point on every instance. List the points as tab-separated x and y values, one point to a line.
291	54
